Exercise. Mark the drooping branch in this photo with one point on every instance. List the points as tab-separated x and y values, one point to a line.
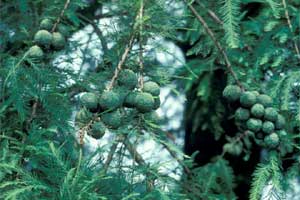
33	112
111	153
61	15
133	152
84	52
72	90
112	82
173	154
237	139
141	63
82	131
139	159
211	13
122	61
286	12
217	44
97	31
127	49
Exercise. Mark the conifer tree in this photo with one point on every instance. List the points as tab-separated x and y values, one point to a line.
241	80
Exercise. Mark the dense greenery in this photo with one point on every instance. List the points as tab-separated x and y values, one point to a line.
241	80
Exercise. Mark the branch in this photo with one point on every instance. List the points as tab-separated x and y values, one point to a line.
237	139
108	15
82	132
211	13
111	153
139	159
134	153
286	12
173	154
97	31
127	50
78	166
33	113
61	15
122	61
218	45
141	63
101	37
72	90
84	53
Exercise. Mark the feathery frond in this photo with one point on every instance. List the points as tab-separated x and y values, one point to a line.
275	6
267	174
231	17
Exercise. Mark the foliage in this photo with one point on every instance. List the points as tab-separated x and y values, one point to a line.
212	181
231	12
268	173
261	44
251	44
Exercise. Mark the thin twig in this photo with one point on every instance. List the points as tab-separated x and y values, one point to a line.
290	26
218	45
101	37
33	113
135	143
237	139
111	153
141	63
173	154
78	166
133	152
122	61
24	137
13	71
84	53
126	51
72	90
82	132
61	15
211	13
97	31
139	159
